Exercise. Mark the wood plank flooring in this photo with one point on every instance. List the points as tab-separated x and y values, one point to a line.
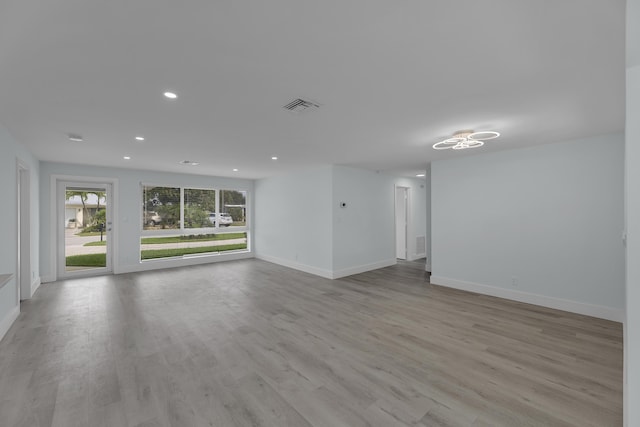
249	343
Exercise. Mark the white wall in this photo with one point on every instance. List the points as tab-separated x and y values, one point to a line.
293	220
128	211
10	150
364	230
549	216
632	156
299	222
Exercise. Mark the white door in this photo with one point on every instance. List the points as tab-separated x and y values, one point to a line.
84	225
401	222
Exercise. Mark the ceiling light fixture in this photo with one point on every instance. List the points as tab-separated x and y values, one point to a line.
170	95
127	158
139	138
274	158
235	170
421	175
189	163
464	139
75	137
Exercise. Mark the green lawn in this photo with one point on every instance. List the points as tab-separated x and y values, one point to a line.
193	238
181	239
100	260
90	260
166	253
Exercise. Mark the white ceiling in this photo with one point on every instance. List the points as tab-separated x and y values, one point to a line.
392	78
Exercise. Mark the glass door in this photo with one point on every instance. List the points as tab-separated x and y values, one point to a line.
85	227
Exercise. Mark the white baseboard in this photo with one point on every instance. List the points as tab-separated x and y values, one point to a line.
6	323
413	257
327	274
34	286
363	268
47	279
599	311
161	263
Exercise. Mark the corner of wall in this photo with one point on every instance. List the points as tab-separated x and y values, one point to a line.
6	323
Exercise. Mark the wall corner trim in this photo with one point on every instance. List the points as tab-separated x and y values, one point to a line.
6	323
35	285
337	274
47	279
327	274
599	311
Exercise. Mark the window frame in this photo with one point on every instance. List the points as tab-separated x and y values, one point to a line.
182	231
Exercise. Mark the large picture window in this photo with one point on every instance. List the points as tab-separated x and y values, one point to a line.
183	222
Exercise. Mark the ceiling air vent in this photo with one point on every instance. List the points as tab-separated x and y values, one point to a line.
300	105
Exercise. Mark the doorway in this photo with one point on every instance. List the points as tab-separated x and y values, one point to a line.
84	229
401	209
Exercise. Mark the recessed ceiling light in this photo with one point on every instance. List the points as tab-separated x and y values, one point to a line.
139	138
420	175
75	137
274	158
170	95
235	170
127	158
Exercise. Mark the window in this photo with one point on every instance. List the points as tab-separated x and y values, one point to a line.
198	205
160	208
234	205
182	222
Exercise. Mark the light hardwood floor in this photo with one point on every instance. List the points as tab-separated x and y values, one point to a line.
249	343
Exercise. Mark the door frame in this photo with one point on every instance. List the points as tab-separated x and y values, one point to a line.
407	219
56	216
23	230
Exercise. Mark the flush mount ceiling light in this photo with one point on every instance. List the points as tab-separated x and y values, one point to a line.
170	95
127	157
75	137
139	138
274	157
189	163
466	139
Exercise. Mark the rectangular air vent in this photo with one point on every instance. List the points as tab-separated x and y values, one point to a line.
300	105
